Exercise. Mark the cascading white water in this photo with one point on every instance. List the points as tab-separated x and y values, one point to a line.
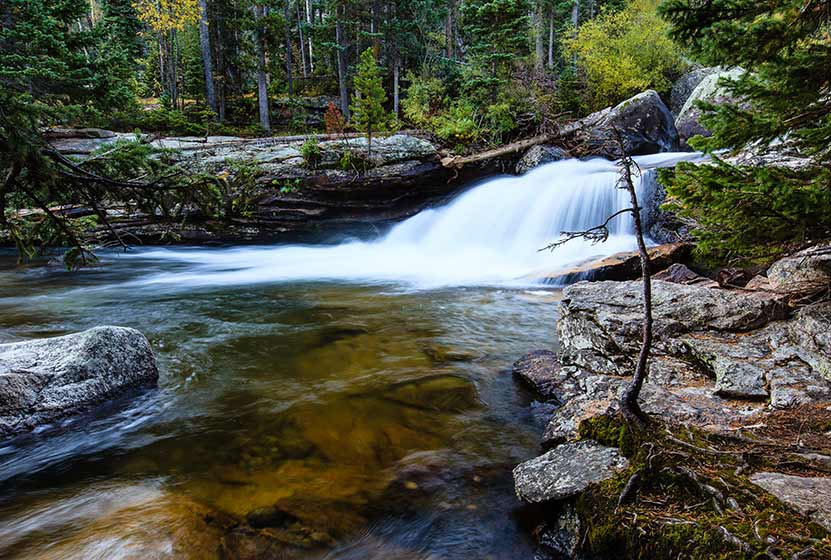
489	235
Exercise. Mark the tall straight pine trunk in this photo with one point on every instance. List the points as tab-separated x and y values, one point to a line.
342	63
262	78
539	43
207	58
287	29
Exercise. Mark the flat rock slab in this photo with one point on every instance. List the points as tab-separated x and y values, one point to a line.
809	496
566	471
48	379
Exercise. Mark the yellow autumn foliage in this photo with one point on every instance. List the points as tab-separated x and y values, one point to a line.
167	15
625	52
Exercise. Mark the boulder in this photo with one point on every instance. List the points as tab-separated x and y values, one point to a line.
600	322
709	90
686	84
803	273
46	380
541	371
539	155
811	328
645	123
566	471
620	266
809	496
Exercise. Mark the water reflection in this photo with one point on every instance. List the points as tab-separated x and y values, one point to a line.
326	420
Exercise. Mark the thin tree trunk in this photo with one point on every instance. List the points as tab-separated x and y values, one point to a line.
6	189
396	73
449	27
575	14
342	64
629	400
539	43
262	79
551	40
220	70
207	58
287	14
302	42
310	20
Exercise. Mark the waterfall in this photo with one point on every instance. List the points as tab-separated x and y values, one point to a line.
489	235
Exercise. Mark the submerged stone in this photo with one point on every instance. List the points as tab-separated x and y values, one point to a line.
445	393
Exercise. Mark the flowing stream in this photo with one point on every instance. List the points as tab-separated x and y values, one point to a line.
351	398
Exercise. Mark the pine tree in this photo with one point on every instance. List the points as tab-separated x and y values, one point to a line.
751	212
369	97
497	31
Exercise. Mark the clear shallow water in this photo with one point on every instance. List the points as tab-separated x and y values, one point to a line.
352	398
380	417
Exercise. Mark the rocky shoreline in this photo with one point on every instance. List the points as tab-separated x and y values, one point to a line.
730	369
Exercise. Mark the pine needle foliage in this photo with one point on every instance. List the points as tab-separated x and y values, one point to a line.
747	212
369	98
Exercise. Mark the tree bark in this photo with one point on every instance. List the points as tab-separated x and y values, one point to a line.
449	27
551	40
629	399
396	73
287	28
575	14
310	20
342	63
302	42
262	78
207	57
539	43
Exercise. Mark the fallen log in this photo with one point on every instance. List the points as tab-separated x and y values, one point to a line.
457	162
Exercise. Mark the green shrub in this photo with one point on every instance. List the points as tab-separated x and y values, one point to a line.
459	124
625	52
310	150
749	214
423	99
354	161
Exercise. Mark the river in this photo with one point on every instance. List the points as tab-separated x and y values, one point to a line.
350	401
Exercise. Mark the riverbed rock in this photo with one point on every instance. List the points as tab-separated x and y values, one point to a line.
542	372
645	123
709	90
803	273
620	266
810	496
46	380
599	326
566	471
686	84
539	155
811	327
680	274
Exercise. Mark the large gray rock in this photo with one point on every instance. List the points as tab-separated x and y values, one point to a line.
566	471
709	90
645	123
811	327
539	155
686	84
600	322
803	273
45	380
809	496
